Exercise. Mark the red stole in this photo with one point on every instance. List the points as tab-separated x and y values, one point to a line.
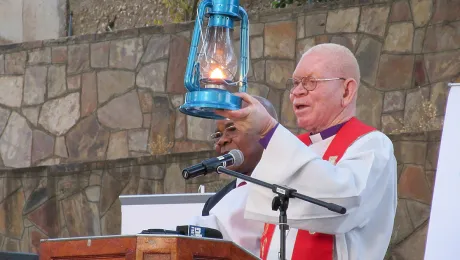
318	246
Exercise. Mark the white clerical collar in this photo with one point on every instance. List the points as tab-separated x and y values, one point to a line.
325	134
316	138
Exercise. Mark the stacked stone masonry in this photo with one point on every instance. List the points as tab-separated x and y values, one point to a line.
81	199
115	95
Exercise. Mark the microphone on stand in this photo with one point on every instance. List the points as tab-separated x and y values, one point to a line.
234	157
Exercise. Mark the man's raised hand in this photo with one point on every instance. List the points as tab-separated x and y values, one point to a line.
251	118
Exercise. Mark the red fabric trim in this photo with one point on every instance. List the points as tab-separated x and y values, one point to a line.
266	240
348	134
305	138
318	246
241	184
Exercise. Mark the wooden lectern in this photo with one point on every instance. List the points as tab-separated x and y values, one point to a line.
142	247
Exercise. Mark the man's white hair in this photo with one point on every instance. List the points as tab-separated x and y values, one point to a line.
340	59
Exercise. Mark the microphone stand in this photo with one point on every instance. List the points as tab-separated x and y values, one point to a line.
281	203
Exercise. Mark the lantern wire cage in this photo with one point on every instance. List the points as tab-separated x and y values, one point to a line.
215	68
202	52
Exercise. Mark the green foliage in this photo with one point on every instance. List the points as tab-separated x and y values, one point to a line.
284	3
179	10
157	22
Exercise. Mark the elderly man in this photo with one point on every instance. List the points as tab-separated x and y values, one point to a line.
339	160
224	210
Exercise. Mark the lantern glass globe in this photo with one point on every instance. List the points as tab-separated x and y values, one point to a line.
218	60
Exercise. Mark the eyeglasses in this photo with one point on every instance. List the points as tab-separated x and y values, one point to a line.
308	83
229	131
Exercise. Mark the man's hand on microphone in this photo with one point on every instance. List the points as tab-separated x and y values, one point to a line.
251	118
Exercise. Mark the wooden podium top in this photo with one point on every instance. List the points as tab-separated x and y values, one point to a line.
142	247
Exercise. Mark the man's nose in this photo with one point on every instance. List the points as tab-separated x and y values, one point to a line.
299	90
224	140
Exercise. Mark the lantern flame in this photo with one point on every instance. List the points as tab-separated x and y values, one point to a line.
217	74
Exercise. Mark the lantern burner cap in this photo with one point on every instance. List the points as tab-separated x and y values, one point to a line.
204	102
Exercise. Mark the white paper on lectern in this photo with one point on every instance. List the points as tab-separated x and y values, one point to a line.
443	237
159	211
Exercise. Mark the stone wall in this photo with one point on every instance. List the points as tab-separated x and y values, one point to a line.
31	20
106	96
94	98
417	156
82	199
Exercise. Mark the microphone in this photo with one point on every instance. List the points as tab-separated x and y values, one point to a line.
234	157
197	231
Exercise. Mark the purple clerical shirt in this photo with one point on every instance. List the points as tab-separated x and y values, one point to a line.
324	134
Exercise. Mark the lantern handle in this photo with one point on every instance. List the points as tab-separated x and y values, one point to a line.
190	82
244	47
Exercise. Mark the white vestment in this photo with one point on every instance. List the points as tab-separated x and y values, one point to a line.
227	216
363	181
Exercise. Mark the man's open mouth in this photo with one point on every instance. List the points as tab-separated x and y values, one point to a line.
300	107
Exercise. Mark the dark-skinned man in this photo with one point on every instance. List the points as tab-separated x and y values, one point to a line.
224	211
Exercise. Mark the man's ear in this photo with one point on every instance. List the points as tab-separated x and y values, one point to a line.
350	91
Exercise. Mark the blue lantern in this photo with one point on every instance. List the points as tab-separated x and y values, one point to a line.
211	74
